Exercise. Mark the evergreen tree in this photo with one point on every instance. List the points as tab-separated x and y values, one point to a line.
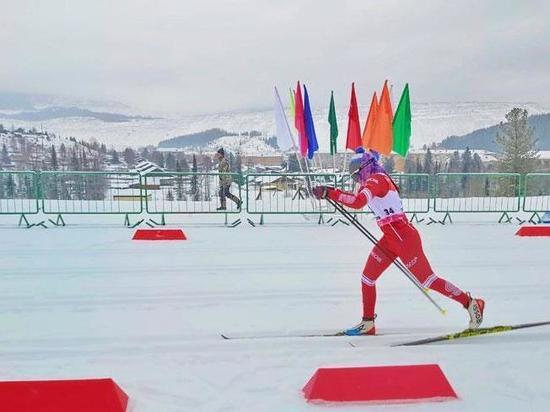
455	165
179	182
158	158
53	159
389	164
114	157
63	154
129	157
517	143
75	163
428	162
195	180
477	164
10	187
170	161
437	167
169	195
84	161
184	165
145	153
466	168
5	155
419	168
467	161
410	165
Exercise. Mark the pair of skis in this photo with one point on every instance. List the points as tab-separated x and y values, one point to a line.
468	333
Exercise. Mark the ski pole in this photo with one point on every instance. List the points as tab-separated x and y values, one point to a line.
396	261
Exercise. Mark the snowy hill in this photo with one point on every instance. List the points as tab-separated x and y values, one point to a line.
16	102
247	143
485	138
432	122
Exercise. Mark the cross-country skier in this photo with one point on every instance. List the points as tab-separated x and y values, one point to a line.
400	240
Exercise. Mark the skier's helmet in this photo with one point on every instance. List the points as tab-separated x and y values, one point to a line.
363	164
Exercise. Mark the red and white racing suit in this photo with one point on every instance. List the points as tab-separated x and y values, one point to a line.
400	240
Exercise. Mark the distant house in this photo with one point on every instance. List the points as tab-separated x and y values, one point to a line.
144	167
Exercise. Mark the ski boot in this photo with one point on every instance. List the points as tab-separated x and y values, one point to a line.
365	327
475	310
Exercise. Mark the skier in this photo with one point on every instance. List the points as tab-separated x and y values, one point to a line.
400	240
225	181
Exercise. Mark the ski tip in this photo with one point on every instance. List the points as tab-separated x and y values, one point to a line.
224	337
444	311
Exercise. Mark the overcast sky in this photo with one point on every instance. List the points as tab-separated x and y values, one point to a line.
193	56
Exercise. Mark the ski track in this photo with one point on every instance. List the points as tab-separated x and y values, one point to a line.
86	301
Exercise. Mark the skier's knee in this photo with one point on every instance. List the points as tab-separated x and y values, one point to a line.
367	280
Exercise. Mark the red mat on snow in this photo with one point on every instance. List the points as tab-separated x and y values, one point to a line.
159	234
538	230
380	384
82	395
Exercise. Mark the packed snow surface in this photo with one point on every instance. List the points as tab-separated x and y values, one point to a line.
86	301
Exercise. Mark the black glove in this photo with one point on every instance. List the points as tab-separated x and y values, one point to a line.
321	192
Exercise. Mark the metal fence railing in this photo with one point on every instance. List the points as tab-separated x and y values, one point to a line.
27	192
286	193
91	193
189	193
415	191
18	193
536	194
476	192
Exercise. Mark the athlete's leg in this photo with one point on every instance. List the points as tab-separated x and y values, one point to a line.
378	261
414	258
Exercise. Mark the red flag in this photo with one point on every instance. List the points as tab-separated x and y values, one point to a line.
368	133
382	139
353	140
299	120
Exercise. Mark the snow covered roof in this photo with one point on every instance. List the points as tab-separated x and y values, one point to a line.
144	167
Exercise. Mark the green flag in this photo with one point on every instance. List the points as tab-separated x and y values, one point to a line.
333	125
402	124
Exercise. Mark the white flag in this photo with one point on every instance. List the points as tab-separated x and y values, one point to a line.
285	139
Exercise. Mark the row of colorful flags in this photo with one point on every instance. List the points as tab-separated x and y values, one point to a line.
383	132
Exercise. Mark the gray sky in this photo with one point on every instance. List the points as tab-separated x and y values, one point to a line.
194	56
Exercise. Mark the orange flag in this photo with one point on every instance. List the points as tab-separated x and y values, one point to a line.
382	139
368	133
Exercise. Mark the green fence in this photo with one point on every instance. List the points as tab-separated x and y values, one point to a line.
188	193
536	194
288	193
476	192
91	193
415	191
25	192
19	193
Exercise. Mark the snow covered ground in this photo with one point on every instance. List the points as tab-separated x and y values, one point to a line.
86	301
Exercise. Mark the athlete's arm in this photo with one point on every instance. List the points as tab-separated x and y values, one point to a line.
374	186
